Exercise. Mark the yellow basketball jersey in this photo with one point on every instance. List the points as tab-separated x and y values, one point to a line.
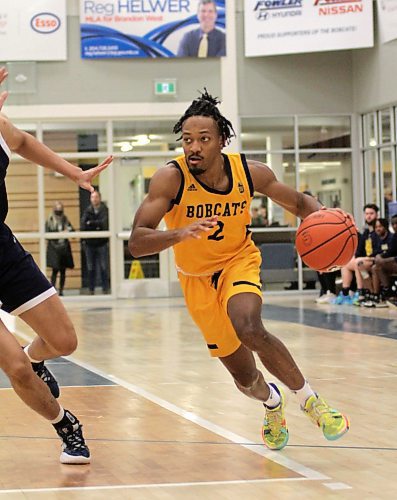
196	201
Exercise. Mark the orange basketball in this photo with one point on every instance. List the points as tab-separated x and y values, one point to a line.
326	239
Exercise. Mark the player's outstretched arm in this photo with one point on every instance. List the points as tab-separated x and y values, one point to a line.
265	182
145	238
31	149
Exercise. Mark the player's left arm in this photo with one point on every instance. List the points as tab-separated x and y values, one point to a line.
31	149
265	182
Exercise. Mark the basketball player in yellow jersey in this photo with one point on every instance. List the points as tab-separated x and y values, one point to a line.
205	198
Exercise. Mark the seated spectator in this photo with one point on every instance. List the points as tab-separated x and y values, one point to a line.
366	244
385	267
369	277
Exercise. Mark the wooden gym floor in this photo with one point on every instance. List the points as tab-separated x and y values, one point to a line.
164	421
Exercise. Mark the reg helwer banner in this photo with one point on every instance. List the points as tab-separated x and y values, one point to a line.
144	28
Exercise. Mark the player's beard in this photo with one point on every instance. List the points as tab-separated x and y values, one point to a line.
196	170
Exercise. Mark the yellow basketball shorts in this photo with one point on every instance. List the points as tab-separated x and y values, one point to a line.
207	297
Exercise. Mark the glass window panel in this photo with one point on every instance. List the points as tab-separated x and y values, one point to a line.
76	279
371	181
394	127
267	133
75	137
369	130
138	136
324	132
283	165
388	179
385	126
132	180
60	188
329	177
141	268
22	190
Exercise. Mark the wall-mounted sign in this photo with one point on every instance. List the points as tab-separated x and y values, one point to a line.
293	26
33	30
152	28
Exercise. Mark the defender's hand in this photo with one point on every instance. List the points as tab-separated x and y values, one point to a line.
85	176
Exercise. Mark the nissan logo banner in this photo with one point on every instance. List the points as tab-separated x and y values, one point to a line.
33	30
296	26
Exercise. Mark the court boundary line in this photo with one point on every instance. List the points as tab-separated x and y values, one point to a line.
273	456
154	485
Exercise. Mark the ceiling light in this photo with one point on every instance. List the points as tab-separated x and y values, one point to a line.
126	146
140	140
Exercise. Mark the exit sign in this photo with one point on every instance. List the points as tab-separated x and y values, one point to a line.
165	87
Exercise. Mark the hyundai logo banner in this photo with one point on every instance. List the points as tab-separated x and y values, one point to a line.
295	26
33	30
152	28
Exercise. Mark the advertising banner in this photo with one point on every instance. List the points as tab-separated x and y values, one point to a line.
387	20
152	28
33	30
296	26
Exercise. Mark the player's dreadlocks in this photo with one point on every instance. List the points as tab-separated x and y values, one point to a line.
206	105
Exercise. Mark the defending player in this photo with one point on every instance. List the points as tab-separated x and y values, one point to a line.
205	198
26	292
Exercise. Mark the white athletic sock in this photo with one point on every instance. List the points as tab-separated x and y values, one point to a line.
273	399
304	393
59	417
26	349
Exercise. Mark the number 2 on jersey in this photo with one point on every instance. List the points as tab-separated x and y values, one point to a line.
217	236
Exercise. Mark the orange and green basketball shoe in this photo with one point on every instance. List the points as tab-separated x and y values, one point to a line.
333	423
274	431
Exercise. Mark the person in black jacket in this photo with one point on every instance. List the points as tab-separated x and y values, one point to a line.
59	252
385	268
96	218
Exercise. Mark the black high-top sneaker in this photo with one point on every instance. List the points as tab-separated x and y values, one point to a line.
74	449
46	376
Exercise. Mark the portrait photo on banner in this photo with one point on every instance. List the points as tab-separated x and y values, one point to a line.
152	28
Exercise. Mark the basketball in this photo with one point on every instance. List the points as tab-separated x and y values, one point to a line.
326	239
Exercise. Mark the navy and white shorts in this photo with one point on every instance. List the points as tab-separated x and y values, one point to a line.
22	284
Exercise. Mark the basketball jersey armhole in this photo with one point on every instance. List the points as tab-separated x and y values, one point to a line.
178	196
247	174
5	147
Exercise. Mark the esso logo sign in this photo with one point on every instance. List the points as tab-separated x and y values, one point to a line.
45	23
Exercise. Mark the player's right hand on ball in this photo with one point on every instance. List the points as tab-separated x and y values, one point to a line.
341	211
196	229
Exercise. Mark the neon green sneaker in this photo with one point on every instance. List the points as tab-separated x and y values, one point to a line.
274	431
333	423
